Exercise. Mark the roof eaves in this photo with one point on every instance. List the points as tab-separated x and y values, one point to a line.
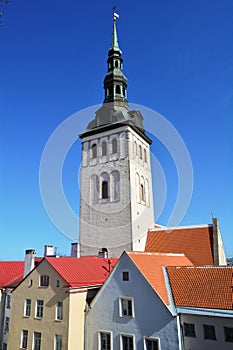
204	311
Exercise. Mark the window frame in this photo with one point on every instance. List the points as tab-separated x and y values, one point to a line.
57	342
114	144
151	339
122	308
44	280
23	337
27	307
209	332
127	335
59	311
189	330
104	148
39	308
35	345
101	331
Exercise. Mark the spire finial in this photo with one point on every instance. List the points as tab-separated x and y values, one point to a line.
115	14
114	32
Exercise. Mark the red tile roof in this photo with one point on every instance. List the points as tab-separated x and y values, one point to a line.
150	264
202	287
195	242
11	272
84	271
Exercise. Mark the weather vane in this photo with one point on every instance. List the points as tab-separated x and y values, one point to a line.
115	14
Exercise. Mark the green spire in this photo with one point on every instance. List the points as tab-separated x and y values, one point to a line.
115	45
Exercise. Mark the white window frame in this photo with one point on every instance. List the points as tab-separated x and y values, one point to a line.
27	307
39	308
59	311
44	281
151	338
22	339
127	335
33	341
56	342
121	299
99	338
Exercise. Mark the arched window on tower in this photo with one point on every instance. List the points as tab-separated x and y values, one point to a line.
116	64
94	189
135	148
118	89
145	156
140	151
114	146
115	185
104	189
137	183
142	190
147	193
104	148
94	150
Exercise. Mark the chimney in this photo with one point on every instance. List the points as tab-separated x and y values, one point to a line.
29	261
103	253
218	248
75	250
48	250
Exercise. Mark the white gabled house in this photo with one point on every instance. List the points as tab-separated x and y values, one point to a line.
133	308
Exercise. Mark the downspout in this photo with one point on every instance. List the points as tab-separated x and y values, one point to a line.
86	328
180	333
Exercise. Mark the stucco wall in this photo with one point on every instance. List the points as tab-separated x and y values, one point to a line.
152	318
76	321
199	343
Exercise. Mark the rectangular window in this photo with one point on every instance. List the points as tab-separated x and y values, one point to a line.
44	281
105	341
59	310
209	332
27	307
228	331
8	301
126	307
58	342
7	324
24	339
127	342
36	341
189	330
125	275
151	344
39	308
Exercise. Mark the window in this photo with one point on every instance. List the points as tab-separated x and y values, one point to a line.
151	344
142	193
125	275
140	151
58	283
105	341
39	308
8	301
7	324
24	339
36	341
127	342
94	189
118	89
44	281
114	146
27	307
189	330
145	156
104	189
94	151
228	331
59	310
209	332
115	185
116	64
126	307
104	148
58	342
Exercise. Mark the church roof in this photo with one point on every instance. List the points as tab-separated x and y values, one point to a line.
150	264
84	271
196	242
202	287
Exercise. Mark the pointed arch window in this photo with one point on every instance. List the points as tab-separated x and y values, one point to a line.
114	146
94	150
104	148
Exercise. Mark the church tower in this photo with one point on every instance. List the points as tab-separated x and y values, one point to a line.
116	202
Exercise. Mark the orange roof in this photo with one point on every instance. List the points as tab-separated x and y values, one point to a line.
11	272
195	242
150	264
84	271
202	287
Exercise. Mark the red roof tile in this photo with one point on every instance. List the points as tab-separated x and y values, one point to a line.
11	272
202	287
84	271
195	242
150	264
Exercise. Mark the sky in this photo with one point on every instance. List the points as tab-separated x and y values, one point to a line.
178	58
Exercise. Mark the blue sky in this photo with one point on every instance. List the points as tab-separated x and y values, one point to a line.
178	58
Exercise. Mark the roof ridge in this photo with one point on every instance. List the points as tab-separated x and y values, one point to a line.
172	228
